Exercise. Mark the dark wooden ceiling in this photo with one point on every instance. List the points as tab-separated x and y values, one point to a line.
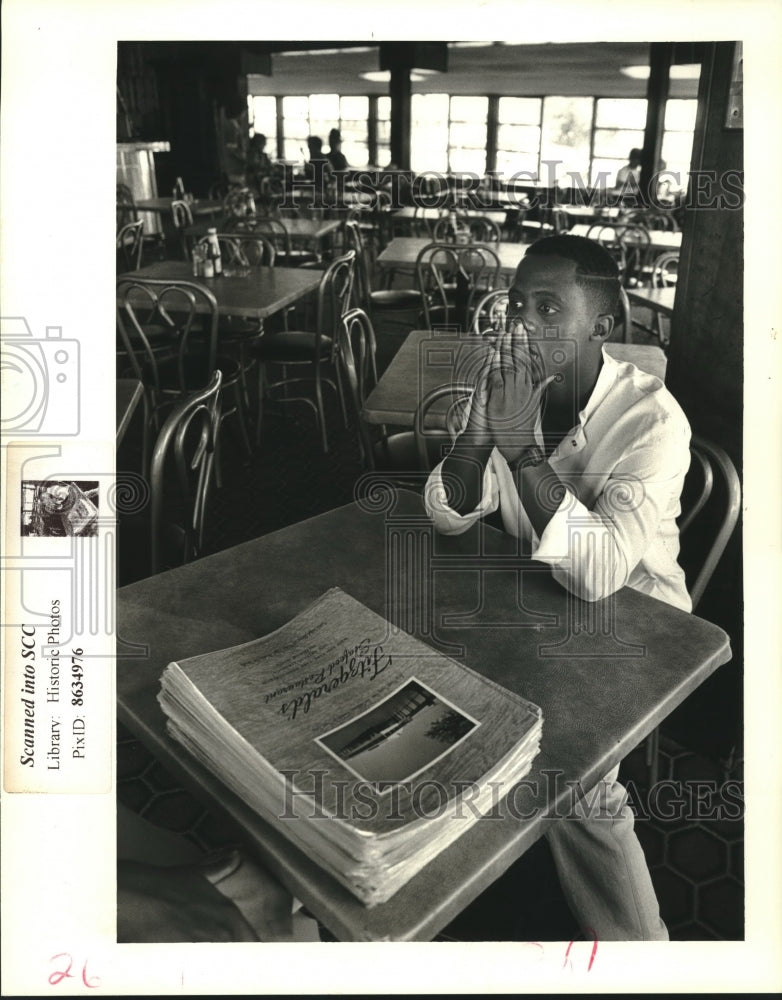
581	69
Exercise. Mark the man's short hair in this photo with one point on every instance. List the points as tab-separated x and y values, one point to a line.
596	270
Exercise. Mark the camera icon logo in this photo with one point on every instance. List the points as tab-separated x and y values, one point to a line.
40	381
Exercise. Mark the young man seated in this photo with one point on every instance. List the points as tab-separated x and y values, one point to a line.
585	458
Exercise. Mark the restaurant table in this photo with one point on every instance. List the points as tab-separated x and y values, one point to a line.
262	293
428	359
310	230
402	252
659	299
433	214
596	212
659	239
604	674
199	206
129	392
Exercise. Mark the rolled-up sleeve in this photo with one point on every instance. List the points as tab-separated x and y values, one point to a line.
440	489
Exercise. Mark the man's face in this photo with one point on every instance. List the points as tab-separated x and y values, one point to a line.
555	312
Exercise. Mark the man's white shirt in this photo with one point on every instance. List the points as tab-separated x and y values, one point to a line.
623	466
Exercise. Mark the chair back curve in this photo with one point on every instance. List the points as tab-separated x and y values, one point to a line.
710	461
186	445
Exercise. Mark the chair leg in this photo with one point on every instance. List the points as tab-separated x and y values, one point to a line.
321	414
239	405
341	393
261	386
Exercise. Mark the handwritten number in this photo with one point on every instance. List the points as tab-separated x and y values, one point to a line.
56	977
90	984
592	955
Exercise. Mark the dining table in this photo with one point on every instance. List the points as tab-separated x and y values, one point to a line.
660	300
428	359
256	293
434	214
659	240
310	230
198	206
402	253
604	674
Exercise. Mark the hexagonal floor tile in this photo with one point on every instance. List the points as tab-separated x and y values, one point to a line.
721	906
697	854
675	895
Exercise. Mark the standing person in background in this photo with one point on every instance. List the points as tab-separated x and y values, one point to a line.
236	132
335	155
259	165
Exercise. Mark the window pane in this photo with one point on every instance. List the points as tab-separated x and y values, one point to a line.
608	168
469	109
680	115
295	107
384	108
567	125
677	146
468	161
621	113
429	133
324	106
354	107
617	142
294	149
521	137
519	110
265	116
383	132
468	134
509	163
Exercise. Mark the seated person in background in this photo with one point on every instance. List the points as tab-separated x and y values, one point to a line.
335	155
628	176
318	161
585	458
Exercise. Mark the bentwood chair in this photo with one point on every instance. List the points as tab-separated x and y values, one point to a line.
435	426
168	340
309	352
130	242
711	503
396	305
665	269
450	278
638	251
380	451
126	206
276	232
171	531
242	252
183	218
478	229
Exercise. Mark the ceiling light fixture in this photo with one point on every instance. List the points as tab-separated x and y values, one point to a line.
328	52
687	71
384	75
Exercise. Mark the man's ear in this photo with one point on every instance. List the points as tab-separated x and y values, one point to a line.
603	326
